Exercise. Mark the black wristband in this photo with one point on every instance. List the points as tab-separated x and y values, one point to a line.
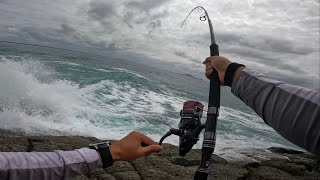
230	72
104	151
106	157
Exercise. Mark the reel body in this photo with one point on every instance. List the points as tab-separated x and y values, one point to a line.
189	127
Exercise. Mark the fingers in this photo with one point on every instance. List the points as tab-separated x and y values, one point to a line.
150	145
208	73
144	139
209	67
146	151
208	60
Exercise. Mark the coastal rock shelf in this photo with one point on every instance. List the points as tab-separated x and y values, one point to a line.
277	163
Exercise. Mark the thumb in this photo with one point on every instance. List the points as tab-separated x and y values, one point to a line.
146	151
208	60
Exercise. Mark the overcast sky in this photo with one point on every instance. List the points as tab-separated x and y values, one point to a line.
278	37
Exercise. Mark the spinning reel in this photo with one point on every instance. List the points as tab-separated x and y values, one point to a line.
189	127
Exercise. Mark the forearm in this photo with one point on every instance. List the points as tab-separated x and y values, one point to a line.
48	165
292	111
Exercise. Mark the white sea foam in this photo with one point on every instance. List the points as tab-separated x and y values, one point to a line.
67	63
62	106
75	64
99	69
131	72
33	106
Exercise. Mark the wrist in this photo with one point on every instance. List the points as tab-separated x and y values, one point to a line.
115	153
99	155
103	151
237	72
232	72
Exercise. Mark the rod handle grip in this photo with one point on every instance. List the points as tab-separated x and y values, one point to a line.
214	50
214	94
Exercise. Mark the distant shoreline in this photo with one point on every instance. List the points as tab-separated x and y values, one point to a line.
37	45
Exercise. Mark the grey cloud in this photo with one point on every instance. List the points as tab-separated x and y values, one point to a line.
263	42
263	49
139	12
107	13
67	29
146	5
154	25
150	20
100	9
181	54
140	19
266	33
112	47
31	34
263	58
184	55
128	17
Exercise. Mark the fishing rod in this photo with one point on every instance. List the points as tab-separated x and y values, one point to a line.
190	125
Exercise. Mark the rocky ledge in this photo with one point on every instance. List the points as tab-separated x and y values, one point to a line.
272	163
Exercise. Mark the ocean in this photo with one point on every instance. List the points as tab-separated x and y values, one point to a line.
48	91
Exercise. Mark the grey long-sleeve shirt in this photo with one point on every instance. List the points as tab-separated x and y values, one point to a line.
292	111
48	165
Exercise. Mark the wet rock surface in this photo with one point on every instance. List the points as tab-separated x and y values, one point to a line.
278	163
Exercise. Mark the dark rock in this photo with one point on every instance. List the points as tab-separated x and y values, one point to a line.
226	171
156	168
275	163
82	177
285	165
217	159
316	166
66	143
105	177
251	165
128	175
193	158
185	162
13	144
283	150
6	133
313	175
100	174
308	163
121	166
270	173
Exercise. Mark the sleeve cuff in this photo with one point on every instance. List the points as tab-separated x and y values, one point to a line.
91	157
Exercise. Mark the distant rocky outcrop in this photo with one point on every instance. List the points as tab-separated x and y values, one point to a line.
277	163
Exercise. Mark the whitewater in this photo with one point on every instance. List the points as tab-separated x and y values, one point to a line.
46	91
